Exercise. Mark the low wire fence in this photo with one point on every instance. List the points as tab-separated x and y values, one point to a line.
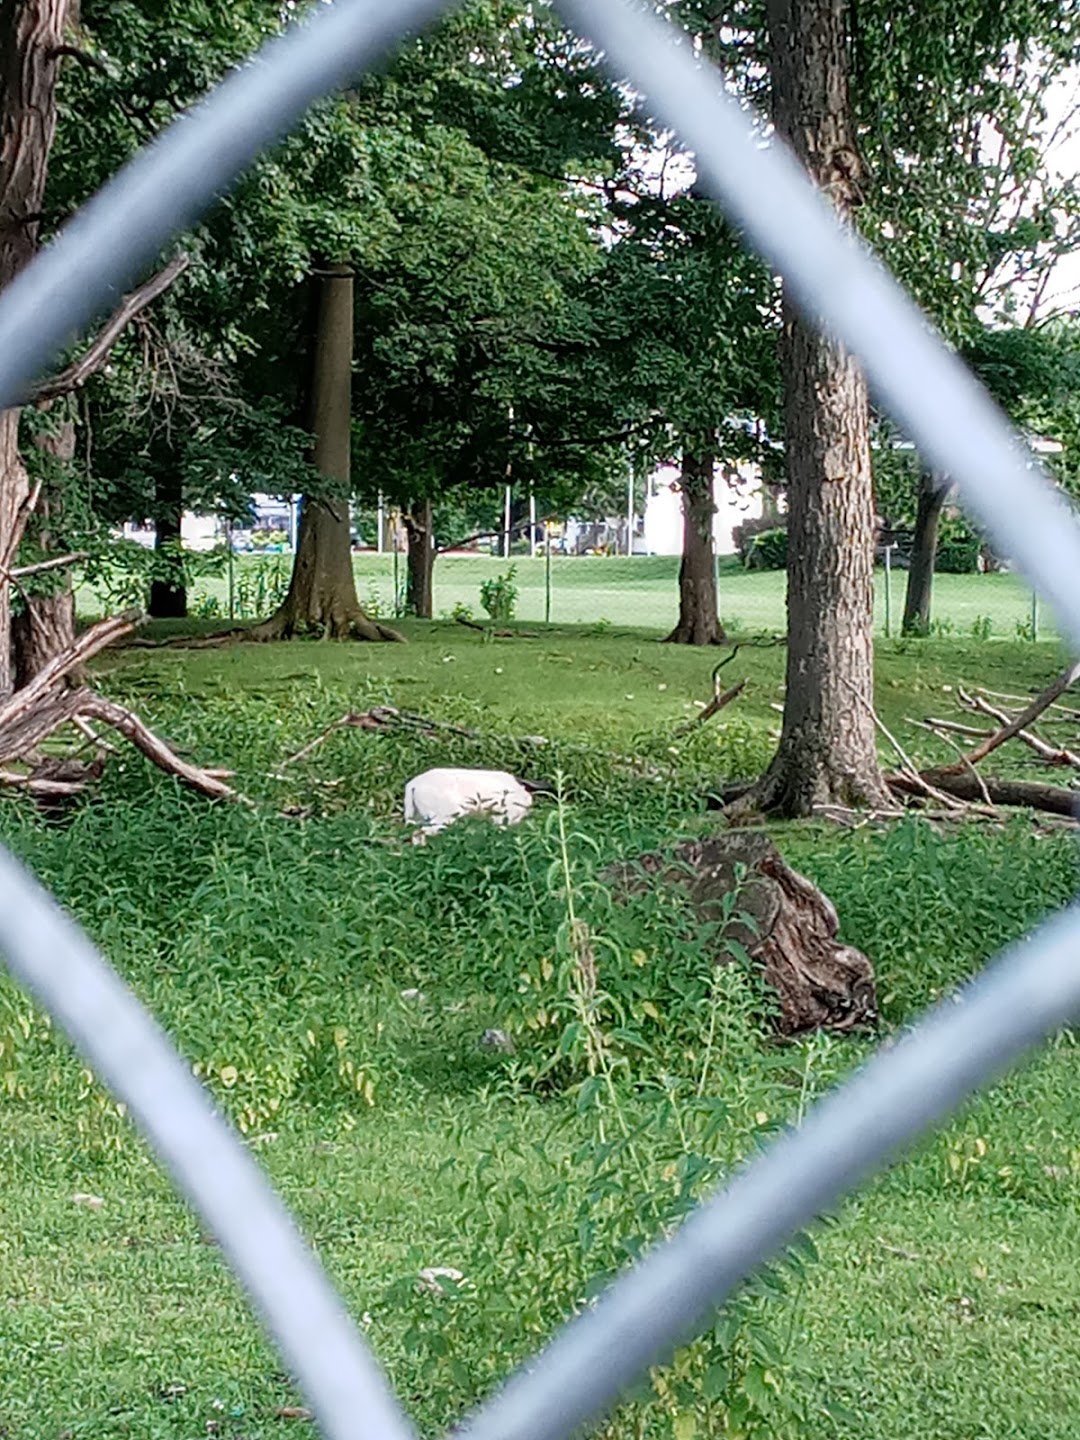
640	591
1021	998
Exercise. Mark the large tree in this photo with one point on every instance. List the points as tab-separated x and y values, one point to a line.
132	67
827	751
971	194
31	34
688	316
322	594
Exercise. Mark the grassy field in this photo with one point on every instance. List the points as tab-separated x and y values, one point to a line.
280	943
643	591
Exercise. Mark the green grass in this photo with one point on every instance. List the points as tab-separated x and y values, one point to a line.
643	591
944	1300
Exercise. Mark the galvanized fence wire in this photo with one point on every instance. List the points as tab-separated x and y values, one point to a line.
126	1048
170	183
1024	996
835	279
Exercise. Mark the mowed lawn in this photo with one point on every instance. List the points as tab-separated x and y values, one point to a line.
643	591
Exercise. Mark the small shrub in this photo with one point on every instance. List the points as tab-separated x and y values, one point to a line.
205	607
260	586
745	534
981	627
499	594
1026	630
768	551
958	548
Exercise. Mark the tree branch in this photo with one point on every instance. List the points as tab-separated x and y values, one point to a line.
207	782
586	442
1034	710
92	359
84	57
22	570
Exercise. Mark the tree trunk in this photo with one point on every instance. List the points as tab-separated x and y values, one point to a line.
13	491
322	592
827	749
44	628
420	563
46	624
168	592
699	622
786	925
920	579
30	33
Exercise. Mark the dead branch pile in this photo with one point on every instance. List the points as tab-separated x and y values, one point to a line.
965	784
51	702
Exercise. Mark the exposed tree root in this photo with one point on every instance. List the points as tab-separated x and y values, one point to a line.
386	717
701	630
336	625
959	787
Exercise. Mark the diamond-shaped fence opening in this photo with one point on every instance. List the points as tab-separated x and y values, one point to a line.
1022	997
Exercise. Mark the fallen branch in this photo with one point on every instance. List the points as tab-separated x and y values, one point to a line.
46	704
98	741
983	791
89	643
384	717
1051	754
1021	722
1026	794
96	707
41	787
719	700
914	777
22	728
952	727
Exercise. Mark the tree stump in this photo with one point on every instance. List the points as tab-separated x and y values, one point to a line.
820	982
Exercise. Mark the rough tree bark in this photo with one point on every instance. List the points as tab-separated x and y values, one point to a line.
31	31
420	562
322	592
932	493
787	926
168	593
46	623
827	751
699	620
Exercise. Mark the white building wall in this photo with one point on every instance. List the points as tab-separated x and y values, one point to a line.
734	504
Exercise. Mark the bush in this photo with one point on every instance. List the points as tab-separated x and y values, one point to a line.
958	548
768	551
499	596
745	534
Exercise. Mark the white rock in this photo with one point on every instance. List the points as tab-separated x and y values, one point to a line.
439	797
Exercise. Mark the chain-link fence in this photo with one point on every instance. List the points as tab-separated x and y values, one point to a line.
643	591
1021	998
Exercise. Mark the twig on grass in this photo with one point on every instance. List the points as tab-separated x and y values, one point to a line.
1050	753
1020	722
909	772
